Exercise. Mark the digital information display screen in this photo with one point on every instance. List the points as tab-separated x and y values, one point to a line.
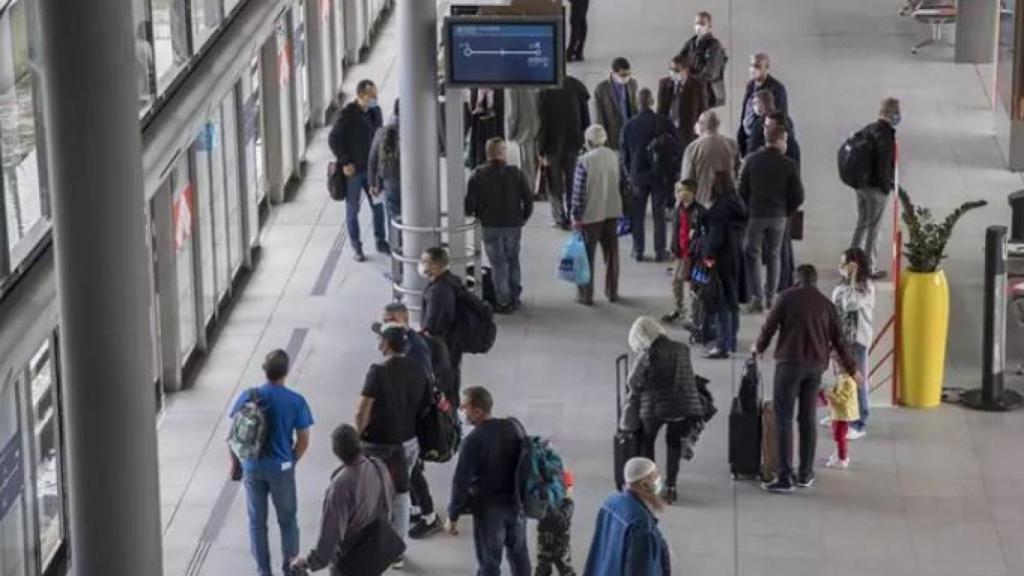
504	52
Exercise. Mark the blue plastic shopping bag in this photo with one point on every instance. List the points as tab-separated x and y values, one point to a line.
573	266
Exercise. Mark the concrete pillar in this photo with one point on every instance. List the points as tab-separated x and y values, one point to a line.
318	58
102	257
417	33
455	174
976	25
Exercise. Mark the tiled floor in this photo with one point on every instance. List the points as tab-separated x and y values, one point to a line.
930	493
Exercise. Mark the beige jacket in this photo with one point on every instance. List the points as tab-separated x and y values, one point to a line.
599	199
704	157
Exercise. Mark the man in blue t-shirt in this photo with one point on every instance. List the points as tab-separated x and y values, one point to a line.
273	473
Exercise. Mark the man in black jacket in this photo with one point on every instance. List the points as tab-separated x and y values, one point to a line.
565	114
765	115
440	301
761	79
707	59
809	332
770	186
484	485
350	140
501	199
637	136
872	199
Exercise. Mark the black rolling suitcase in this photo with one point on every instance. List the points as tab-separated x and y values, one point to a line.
745	426
625	445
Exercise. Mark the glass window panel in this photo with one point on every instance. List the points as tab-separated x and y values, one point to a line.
232	182
183	219
201	148
14	556
218	198
206	16
170	39
300	62
144	53
48	473
25	197
253	158
257	129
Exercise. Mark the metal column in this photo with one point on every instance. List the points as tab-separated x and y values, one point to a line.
102	253
976	25
417	33
455	177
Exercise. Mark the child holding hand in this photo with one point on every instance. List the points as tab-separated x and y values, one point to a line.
843	406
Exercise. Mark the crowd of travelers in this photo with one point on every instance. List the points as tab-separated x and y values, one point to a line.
725	213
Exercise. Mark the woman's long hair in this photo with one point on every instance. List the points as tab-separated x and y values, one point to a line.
722	186
858	257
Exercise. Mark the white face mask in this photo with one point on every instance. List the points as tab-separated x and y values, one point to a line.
699	30
620	79
676	76
423	270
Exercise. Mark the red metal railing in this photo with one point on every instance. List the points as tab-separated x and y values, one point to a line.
892	356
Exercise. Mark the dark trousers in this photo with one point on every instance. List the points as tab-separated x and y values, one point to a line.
796	382
499	528
356	187
673	443
561	170
602	233
658	200
419	490
578	27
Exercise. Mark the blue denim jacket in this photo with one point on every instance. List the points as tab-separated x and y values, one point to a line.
627	540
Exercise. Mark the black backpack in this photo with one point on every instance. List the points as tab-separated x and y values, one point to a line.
438	430
475	330
665	155
856	159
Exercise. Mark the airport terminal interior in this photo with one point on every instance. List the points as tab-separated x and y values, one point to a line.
247	253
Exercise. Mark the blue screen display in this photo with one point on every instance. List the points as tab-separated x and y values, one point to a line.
503	53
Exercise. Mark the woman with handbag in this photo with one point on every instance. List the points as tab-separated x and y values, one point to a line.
722	253
356	537
661	391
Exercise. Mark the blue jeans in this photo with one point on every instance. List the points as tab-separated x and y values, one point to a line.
860	353
280	487
502	245
497	527
392	209
728	317
356	187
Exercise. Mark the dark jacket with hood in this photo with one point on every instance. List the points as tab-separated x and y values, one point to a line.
663	383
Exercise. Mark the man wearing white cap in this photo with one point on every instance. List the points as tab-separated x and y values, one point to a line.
627	540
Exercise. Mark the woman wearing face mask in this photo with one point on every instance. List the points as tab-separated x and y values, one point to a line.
662	391
855	299
627	540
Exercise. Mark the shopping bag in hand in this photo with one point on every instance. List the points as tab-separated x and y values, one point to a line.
624	226
573	266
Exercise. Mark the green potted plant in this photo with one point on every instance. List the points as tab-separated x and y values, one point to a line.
924	302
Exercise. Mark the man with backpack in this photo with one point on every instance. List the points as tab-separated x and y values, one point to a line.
644	138
440	301
501	198
385	171
486	485
432	355
396	392
350	140
269	435
867	163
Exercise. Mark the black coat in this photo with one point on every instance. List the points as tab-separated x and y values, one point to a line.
565	114
770	185
884	135
726	222
664	383
755	141
771	84
707	59
499	196
352	135
637	135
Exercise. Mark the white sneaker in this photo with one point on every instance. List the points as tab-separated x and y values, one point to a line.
835	462
854	434
826	421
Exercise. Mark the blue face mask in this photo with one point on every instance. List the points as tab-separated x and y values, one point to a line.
896	119
373	104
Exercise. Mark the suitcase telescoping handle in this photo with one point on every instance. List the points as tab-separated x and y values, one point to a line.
621	373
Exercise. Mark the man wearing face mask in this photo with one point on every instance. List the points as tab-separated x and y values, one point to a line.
439	307
395	393
627	540
771	188
706	58
873	198
350	140
615	100
682	98
761	79
484	485
765	115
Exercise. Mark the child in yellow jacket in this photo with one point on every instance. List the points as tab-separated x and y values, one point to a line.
842	403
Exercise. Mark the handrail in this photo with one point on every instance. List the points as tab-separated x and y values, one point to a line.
473	254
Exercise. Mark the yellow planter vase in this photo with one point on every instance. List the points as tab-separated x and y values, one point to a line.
924	317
